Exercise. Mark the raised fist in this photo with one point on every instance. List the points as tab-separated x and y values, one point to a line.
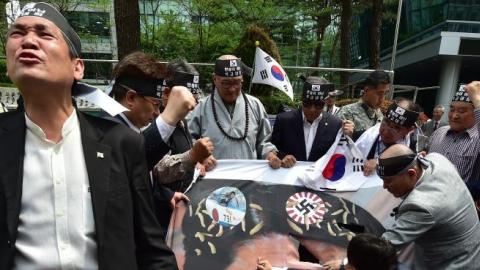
180	103
201	150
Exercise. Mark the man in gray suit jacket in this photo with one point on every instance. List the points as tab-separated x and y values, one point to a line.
436	121
437	212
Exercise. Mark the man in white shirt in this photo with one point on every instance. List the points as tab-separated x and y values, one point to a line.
74	189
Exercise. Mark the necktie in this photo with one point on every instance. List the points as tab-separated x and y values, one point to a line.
435	126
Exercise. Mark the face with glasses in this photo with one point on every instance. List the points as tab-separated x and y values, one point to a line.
229	88
391	132
143	109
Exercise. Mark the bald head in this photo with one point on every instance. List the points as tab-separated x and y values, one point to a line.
396	150
398	168
227	57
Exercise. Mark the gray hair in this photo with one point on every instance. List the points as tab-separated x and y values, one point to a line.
180	65
441	107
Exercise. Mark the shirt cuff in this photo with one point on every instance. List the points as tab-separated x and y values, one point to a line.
164	129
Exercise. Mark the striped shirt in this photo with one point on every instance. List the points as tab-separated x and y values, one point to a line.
462	149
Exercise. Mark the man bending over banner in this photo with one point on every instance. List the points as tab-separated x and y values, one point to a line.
437	211
395	128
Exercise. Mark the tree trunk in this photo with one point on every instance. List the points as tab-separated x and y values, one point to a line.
127	24
318	47
332	53
375	32
345	24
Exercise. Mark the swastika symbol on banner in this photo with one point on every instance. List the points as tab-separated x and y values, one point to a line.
305	207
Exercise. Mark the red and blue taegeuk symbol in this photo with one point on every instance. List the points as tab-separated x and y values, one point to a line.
335	168
277	73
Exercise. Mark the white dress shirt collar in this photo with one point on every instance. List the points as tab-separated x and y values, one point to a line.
309	132
129	123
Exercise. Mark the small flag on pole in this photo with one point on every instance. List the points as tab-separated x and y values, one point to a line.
268	71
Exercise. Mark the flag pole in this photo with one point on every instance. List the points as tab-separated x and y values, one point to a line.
257	43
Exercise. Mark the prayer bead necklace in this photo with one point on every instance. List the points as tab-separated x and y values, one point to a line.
220	126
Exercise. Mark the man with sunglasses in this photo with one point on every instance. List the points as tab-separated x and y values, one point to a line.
236	123
307	133
395	128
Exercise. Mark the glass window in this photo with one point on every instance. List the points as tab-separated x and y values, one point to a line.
90	23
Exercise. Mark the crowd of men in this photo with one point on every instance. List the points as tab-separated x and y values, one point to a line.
85	192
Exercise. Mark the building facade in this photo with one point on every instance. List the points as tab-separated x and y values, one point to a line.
439	45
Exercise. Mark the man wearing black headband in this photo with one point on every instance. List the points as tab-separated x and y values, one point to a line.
460	141
237	123
176	169
138	86
138	82
395	128
74	189
366	112
437	212
306	134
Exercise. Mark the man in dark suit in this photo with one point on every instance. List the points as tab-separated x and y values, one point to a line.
306	134
74	189
139	80
436	121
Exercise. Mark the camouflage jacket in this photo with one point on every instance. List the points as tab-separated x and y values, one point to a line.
362	116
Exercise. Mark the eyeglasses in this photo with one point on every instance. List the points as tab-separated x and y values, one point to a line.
154	101
230	83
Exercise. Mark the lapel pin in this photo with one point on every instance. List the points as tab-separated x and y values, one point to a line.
326	124
99	155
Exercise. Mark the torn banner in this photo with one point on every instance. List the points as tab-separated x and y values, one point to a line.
244	210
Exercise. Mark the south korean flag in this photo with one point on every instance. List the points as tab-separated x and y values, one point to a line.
340	169
269	72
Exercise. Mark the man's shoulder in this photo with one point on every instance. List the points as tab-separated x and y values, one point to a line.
204	100
352	106
290	115
11	119
109	129
6	116
332	119
439	134
254	100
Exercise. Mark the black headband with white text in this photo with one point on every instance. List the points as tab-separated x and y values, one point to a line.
228	68
48	12
401	116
